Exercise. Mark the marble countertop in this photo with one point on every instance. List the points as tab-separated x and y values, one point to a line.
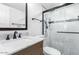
8	47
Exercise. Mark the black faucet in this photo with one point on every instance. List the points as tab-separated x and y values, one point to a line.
8	38
19	35
15	35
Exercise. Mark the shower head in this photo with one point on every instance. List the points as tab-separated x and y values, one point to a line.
51	22
36	19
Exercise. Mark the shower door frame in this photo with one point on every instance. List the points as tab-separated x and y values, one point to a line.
51	9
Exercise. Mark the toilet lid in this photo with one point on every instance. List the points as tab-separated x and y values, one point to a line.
51	51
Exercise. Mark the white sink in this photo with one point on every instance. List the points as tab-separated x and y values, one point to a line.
14	45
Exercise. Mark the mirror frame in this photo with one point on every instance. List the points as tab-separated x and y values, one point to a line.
3	29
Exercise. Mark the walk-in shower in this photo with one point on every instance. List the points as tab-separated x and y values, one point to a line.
62	29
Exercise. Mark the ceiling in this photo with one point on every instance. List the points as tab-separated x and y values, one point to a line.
21	6
50	5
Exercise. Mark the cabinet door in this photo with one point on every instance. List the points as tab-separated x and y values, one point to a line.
36	49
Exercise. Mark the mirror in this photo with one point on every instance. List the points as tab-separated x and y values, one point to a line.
13	16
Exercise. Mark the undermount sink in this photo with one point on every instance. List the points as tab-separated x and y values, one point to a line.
13	45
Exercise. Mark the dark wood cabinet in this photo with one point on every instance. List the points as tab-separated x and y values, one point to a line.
36	49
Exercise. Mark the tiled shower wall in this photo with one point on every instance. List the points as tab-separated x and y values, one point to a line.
67	44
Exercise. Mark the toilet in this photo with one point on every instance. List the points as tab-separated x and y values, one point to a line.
50	51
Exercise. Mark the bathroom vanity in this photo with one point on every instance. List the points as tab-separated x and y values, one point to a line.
28	45
36	49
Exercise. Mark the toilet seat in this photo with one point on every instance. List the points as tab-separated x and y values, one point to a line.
50	51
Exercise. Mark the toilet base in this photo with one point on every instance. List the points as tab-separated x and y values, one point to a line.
50	51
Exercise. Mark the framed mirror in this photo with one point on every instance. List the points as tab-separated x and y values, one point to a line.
13	16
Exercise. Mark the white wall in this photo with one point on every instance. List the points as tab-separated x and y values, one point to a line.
66	43
34	11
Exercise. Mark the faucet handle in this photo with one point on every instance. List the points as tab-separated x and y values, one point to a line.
19	35
8	37
15	32
15	35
